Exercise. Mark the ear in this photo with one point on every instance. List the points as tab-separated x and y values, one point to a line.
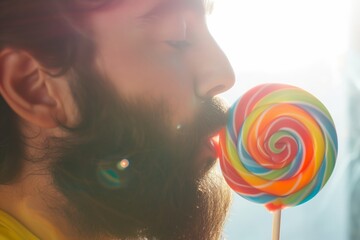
27	89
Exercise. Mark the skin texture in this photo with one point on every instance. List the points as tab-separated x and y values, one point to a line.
155	51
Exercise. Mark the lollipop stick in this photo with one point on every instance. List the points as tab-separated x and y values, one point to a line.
276	225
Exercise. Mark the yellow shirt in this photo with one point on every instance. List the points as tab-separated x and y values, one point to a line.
11	229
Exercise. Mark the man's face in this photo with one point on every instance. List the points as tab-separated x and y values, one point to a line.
158	58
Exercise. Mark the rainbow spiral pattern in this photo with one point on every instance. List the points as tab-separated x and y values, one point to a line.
279	146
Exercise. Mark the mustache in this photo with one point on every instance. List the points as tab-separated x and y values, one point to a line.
210	118
213	115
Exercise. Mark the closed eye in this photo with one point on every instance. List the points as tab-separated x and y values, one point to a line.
179	45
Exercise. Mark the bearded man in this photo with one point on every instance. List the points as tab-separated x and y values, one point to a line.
107	111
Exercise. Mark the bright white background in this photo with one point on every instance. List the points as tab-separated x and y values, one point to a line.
299	42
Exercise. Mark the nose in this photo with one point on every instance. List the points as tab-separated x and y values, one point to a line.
213	71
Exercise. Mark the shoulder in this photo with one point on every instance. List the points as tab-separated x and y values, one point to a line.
11	229
8	234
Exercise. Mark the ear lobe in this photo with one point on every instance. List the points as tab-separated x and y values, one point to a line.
25	87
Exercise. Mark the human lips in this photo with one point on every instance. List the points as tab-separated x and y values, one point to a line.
208	153
210	146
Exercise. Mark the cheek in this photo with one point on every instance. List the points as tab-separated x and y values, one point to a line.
136	70
142	69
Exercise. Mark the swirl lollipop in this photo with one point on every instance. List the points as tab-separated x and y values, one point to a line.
279	146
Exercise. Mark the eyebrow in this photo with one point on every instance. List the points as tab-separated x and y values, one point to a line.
204	6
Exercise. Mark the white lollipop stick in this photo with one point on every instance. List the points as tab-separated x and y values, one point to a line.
276	225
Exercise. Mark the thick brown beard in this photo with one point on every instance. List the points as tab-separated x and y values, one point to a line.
204	220
214	201
163	196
